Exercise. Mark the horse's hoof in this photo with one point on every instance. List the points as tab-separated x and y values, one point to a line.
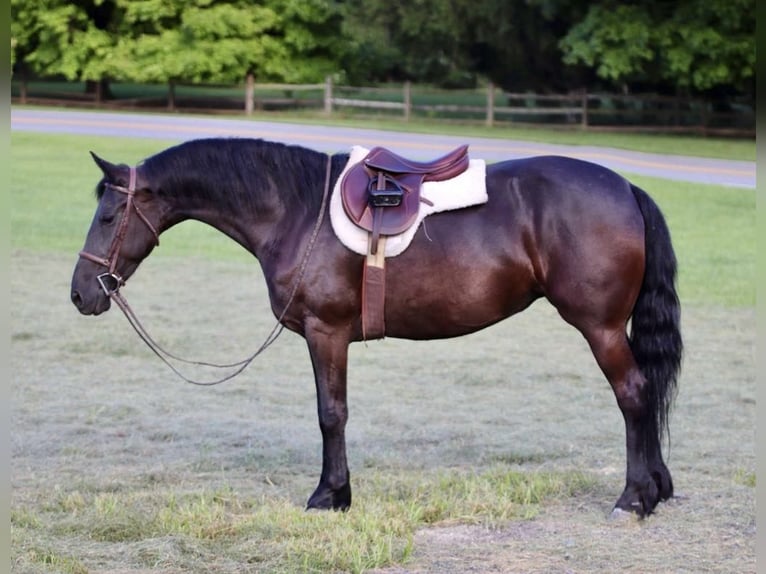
325	498
664	482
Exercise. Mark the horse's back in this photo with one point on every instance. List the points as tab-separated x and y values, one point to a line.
550	181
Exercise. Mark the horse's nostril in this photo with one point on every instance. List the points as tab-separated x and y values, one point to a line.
76	299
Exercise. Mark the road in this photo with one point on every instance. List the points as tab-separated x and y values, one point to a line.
339	139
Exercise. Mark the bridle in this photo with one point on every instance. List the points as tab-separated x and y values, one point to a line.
110	281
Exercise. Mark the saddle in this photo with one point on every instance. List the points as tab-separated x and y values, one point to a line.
381	194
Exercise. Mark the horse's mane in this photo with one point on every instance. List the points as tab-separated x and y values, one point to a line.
239	174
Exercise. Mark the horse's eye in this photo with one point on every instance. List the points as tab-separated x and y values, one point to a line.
106	219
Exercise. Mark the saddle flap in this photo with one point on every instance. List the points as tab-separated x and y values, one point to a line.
393	219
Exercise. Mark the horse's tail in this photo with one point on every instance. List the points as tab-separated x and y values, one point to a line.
655	334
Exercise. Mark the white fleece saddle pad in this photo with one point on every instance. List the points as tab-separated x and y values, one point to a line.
468	188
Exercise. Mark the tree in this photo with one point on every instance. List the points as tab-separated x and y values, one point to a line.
311	41
690	45
216	42
398	41
683	46
177	40
56	37
513	43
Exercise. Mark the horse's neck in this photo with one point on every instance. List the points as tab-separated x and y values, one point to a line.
256	232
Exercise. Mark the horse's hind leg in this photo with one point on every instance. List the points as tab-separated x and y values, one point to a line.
647	477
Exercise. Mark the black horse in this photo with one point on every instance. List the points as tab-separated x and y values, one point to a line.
591	243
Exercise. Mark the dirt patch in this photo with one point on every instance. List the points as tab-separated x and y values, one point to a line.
571	540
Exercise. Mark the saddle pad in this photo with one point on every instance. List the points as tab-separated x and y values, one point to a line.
468	188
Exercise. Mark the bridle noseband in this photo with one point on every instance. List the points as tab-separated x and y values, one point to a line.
110	281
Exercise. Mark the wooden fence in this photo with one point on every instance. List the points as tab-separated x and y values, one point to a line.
580	109
489	105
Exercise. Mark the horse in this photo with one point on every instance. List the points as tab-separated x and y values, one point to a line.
583	237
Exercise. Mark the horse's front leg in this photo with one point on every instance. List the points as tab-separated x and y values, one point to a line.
329	357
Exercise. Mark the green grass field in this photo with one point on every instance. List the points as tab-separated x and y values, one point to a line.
712	147
502	451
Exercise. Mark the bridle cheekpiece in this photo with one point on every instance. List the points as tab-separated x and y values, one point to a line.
110	281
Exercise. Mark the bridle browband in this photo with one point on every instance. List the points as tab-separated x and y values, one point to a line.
110	261
113	291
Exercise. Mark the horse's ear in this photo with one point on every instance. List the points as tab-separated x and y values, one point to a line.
110	170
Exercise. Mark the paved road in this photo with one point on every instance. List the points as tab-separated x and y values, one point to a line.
336	139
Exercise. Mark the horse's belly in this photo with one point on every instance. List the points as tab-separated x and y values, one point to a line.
452	300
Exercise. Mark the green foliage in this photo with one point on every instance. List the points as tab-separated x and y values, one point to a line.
451	44
221	43
158	41
614	40
59	37
744	477
693	44
533	44
310	41
710	43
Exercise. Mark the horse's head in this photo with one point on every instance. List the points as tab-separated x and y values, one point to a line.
124	230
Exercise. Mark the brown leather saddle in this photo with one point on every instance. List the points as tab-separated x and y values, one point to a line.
381	193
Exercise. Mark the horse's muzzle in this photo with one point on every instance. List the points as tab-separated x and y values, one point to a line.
94	305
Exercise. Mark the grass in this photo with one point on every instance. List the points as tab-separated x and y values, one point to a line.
279	535
496	451
666	144
713	232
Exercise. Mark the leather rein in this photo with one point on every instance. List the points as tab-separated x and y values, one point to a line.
111	282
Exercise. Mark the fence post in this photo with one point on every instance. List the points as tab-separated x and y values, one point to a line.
704	117
328	96
249	93
584	115
23	88
171	95
407	100
490	105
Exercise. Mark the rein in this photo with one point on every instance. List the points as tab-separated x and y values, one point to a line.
111	283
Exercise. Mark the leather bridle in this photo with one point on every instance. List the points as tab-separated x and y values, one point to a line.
112	289
110	281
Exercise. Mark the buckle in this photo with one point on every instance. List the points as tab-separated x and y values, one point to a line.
110	283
